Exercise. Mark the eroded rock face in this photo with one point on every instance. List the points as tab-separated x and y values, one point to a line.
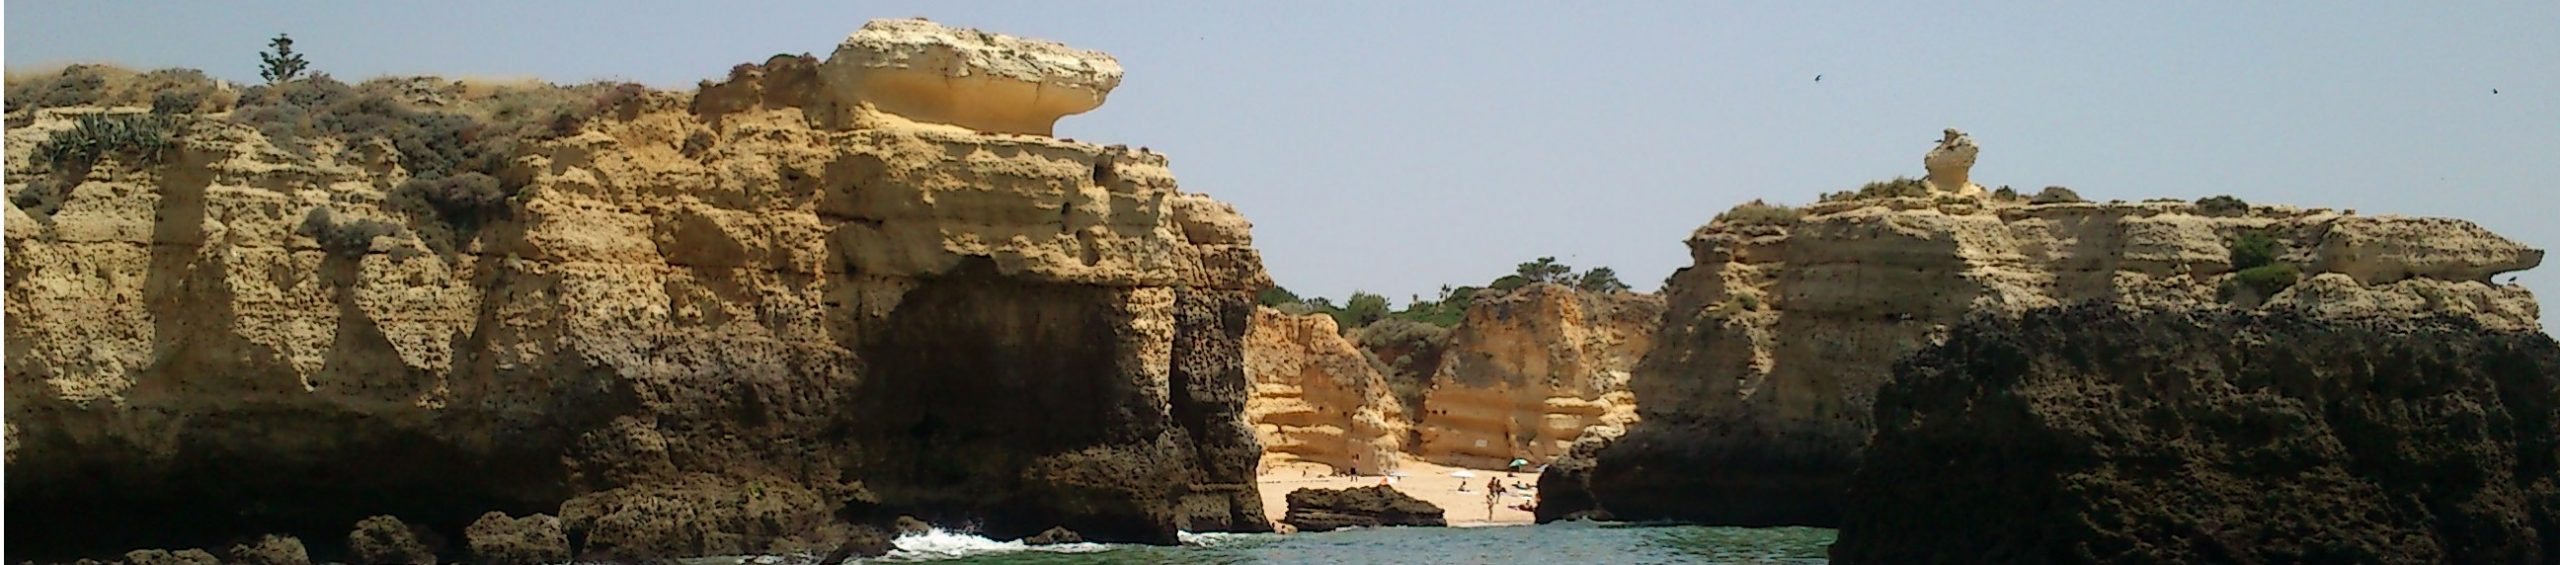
724	300
386	540
1950	164
1757	403
2098	434
983	81
497	539
1319	510
1316	397
1530	371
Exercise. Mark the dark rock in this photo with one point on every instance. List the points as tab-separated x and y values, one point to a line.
910	526
270	550
1564	491
1317	510
165	557
385	540
2092	434
702	515
861	542
961	414
499	540
1054	536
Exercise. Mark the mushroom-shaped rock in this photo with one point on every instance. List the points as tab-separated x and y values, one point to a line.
1951	163
989	82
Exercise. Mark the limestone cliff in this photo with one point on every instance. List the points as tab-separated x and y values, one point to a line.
1758	401
1316	398
738	320
1529	371
2110	435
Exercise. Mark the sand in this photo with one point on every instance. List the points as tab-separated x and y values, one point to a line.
1425	481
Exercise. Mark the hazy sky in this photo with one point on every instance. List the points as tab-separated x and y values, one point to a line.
1396	146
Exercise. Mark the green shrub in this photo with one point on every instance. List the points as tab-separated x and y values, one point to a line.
2055	194
2222	205
1445	311
1899	187
467	199
2253	249
456	154
2267	280
1362	309
1407	352
2006	194
1749	303
143	137
1758	213
345	239
76	85
168	102
1275	296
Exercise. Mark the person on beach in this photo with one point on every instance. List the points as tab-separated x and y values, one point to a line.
1492	495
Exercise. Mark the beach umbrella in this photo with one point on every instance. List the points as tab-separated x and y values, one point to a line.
1518	462
1463	474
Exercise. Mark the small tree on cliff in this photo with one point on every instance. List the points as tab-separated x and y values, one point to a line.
1545	270
1600	279
1275	296
281	64
1361	310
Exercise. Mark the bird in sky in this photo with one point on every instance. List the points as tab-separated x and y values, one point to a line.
1817	78
2491	91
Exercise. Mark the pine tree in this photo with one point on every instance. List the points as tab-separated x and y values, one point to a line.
282	64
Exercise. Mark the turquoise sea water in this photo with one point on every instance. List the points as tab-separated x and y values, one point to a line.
1576	542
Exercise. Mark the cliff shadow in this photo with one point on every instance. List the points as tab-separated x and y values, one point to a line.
976	380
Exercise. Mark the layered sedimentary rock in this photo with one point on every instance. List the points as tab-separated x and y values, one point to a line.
711	324
987	82
1319	510
1316	398
1757	403
2105	435
1529	371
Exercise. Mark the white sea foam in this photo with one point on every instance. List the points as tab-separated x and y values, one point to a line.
1207	539
938	544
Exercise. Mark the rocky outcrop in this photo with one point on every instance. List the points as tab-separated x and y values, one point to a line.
269	550
1317	398
1757	403
165	557
385	540
1950	164
2100	435
1055	536
987	82
731	321
500	540
1319	510
1530	370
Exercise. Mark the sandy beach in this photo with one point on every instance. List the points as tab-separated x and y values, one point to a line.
1425	481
